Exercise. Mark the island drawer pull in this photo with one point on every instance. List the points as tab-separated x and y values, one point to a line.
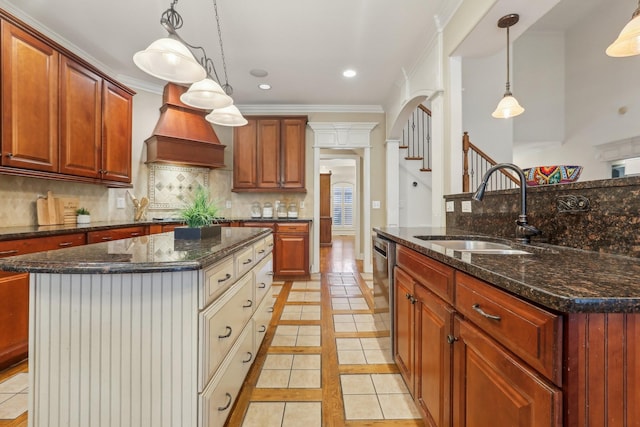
9	252
65	244
226	277
262	329
250	357
107	238
250	303
262	285
248	261
225	407
228	334
483	313
135	234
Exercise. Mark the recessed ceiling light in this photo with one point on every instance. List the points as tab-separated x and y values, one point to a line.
257	72
264	86
349	73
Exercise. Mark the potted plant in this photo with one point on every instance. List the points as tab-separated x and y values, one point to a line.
83	216
201	217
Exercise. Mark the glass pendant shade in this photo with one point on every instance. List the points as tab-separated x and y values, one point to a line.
227	116
169	60
207	95
628	42
507	107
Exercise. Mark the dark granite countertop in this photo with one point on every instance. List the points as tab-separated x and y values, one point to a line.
563	279
154	253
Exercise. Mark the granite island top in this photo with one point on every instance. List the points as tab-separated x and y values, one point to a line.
153	253
563	279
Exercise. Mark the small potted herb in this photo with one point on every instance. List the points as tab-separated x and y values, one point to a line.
201	217
83	216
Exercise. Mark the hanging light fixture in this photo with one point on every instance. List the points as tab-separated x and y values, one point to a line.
628	42
508	105
227	116
172	59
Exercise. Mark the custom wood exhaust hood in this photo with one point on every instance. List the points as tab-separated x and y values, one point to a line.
182	134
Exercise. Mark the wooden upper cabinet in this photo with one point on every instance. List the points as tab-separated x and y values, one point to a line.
269	154
29	101
80	119
116	133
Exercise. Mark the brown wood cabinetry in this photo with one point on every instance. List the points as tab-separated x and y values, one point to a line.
14	316
115	234
29	84
404	327
325	209
269	154
62	118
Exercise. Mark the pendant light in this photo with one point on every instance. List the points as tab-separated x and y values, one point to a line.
207	95
168	59
227	116
508	105
628	42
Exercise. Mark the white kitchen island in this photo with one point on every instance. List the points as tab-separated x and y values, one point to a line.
145	331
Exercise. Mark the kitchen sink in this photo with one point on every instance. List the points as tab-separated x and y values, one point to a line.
475	246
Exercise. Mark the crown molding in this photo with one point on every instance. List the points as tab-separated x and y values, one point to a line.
302	108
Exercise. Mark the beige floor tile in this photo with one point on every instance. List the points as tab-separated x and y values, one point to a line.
362	407
376	357
359	306
376	343
309	330
314	285
340	318
286	330
340	300
351	357
264	414
310	316
345	327
278	361
291	316
296	296
13	407
364	318
299	285
338	291
283	341
389	384
366	327
308	341
398	406
273	378
357	384
308	378
306	361
341	306
15	384
311	308
307	414
312	297
291	308
348	344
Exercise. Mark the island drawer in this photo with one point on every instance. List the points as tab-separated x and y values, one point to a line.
263	278
39	244
295	227
261	321
217	279
115	234
530	332
222	323
244	261
433	275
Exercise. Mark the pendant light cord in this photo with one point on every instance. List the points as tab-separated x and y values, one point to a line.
226	86
508	92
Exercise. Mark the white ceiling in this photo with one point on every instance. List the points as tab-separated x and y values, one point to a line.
304	45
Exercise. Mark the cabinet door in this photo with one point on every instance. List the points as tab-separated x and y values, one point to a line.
492	387
80	119
268	153
14	315
293	153
29	101
116	133
245	155
292	254
404	327
434	353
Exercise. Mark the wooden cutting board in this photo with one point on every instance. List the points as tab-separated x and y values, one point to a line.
56	210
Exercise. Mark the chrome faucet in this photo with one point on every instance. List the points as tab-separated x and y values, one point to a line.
524	231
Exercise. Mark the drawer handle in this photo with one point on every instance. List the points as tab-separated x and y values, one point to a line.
225	407
135	234
10	252
226	277
262	285
228	334
263	329
408	295
65	244
270	310
483	313
269	273
249	359
107	238
250	303
261	251
248	261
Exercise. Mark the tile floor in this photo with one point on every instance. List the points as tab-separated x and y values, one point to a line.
13	396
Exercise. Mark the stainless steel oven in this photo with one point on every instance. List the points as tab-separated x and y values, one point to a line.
384	259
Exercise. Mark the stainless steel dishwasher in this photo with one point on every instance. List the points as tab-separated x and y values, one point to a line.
384	259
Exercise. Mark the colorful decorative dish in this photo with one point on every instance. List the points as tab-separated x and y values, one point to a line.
545	175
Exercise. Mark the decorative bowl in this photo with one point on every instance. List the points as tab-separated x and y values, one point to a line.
545	175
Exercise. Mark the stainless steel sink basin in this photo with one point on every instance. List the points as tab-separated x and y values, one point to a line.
475	246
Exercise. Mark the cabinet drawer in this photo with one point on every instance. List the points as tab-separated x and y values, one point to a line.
222	323
294	227
260	249
261	321
244	261
433	275
216	280
528	331
263	278
219	397
38	244
115	234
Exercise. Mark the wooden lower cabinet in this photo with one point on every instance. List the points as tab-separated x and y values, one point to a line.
491	387
14	316
404	327
115	234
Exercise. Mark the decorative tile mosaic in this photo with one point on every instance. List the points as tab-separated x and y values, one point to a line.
170	185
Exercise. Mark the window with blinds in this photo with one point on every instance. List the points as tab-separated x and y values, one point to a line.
342	205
